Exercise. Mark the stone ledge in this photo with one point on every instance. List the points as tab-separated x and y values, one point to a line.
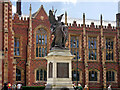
60	52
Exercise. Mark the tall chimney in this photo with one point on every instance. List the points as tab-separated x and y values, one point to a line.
118	16
18	7
65	18
119	7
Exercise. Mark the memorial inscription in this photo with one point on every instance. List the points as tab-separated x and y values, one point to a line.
62	70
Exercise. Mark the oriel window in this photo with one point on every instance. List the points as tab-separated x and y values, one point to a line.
41	75
109	49
41	43
74	44
92	44
16	46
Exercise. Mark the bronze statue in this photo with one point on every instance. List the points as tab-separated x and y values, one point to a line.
59	30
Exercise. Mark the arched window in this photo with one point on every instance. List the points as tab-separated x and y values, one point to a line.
18	75
41	75
110	76
92	76
41	43
75	75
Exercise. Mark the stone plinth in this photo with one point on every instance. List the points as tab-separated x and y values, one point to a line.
1	57
59	69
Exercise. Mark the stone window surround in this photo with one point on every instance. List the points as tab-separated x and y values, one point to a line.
109	49
97	45
80	44
20	45
35	74
114	48
19	73
43	46
92	49
98	75
115	75
80	75
22	74
48	40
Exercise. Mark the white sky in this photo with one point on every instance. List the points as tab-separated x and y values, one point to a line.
73	1
74	8
13	8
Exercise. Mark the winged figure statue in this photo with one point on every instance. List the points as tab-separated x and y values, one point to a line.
59	30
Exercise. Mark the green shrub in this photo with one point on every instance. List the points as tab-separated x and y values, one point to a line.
33	87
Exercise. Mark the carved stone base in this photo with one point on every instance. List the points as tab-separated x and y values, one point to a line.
61	71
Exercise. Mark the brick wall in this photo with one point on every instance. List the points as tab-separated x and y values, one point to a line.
20	29
1	42
1	24
92	31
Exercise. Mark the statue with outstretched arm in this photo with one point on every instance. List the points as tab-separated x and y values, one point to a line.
59	30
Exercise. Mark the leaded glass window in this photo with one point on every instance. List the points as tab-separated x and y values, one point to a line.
41	75
74	43
109	49
92	76
75	75
92	45
110	76
41	43
18	75
16	46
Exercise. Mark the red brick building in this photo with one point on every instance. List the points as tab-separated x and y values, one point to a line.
25	41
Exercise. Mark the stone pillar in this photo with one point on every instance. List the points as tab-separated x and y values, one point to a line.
118	49
14	71
118	36
11	50
12	57
28	73
29	47
1	43
62	69
5	42
85	49
103	54
1	58
104	77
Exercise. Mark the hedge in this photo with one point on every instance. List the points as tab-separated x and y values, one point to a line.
33	87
